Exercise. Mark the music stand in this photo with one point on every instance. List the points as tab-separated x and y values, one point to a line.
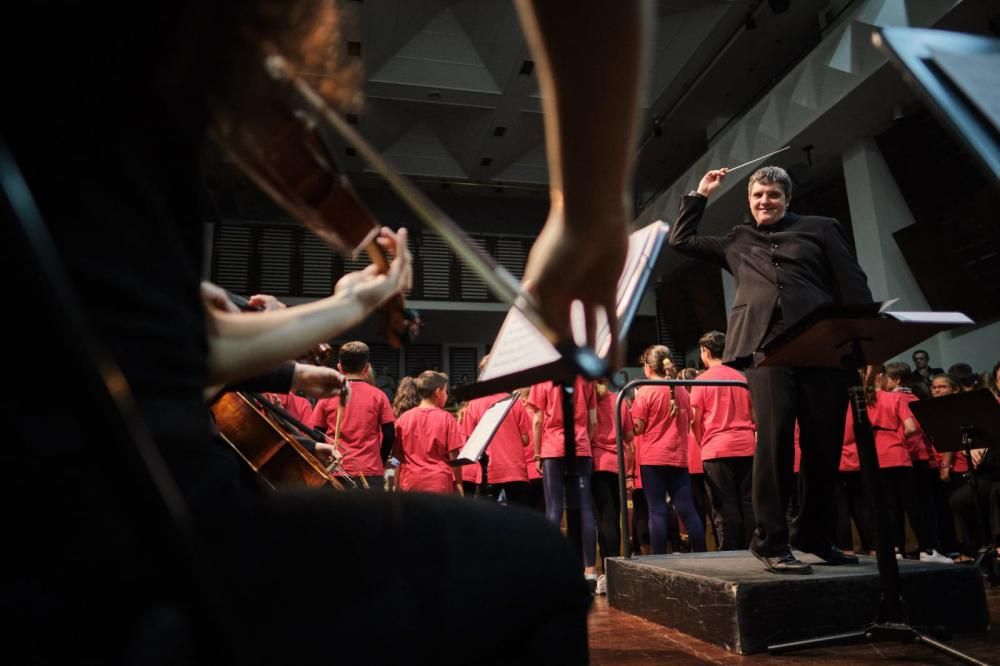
954	423
851	337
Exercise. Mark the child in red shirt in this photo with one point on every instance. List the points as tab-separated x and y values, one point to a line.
427	438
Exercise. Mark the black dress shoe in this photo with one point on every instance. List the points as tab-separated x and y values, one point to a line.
783	564
832	555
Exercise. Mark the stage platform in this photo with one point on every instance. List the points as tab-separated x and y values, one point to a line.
727	598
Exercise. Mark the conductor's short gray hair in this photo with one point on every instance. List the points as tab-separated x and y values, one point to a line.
769	175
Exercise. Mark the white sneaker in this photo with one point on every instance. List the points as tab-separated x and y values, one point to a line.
935	556
602	584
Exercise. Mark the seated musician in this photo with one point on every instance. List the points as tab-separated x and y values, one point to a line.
111	155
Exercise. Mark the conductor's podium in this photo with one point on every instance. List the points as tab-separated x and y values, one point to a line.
727	598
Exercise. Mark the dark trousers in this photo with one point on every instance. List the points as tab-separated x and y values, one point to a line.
517	492
657	482
536	495
925	480
975	526
703	505
899	490
817	397
729	486
554	478
946	517
640	521
607	508
852	501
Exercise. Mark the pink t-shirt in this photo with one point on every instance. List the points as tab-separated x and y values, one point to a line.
506	450
296	405
664	439
798	449
886	416
426	436
849	454
724	416
547	399
695	463
605	442
360	427
916	443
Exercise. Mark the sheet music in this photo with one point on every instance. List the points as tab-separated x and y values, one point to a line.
975	74
483	433
519	346
956	318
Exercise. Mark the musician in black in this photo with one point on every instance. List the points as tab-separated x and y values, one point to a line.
784	265
110	119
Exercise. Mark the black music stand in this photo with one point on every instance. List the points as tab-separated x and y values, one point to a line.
955	423
851	337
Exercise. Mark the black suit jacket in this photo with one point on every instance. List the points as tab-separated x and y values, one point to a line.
797	264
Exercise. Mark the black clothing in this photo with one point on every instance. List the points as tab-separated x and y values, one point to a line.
789	267
111	154
783	271
607	510
730	488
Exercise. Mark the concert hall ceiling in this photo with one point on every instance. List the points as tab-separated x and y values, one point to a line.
451	94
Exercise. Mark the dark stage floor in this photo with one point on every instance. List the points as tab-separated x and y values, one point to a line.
619	638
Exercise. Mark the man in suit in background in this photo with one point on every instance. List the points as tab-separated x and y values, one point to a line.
784	265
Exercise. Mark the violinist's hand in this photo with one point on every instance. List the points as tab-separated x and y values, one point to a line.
372	288
578	262
710	181
215	298
317	382
328	453
266	302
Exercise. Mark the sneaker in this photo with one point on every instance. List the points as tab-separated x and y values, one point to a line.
602	584
783	564
935	556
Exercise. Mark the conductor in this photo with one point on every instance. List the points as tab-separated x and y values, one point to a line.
784	265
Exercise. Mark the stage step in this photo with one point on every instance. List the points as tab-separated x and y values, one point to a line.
727	598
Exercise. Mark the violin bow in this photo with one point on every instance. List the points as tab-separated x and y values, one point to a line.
497	278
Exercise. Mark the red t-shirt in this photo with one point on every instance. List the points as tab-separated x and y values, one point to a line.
547	399
725	416
695	463
798	449
426	435
506	450
296	405
360	427
849	454
886	417
916	443
664	438
605	442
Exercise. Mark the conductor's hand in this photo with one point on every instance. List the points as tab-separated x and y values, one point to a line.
372	288
328	453
578	262
710	181
317	382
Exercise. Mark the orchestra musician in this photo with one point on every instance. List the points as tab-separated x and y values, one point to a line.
110	153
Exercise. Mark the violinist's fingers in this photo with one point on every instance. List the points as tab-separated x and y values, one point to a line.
216	297
267	302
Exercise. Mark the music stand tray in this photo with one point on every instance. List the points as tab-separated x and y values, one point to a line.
852	337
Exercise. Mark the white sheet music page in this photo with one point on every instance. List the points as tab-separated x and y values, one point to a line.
956	318
520	346
482	434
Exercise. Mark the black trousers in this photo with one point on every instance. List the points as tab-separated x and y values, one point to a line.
817	397
640	521
926	480
852	501
517	492
607	511
729	486
975	525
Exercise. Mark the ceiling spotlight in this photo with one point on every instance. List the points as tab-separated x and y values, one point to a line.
779	6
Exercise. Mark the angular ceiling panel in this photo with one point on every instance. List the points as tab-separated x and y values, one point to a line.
420	152
439	55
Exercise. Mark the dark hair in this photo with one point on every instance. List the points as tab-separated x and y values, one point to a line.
430	381
657	357
769	175
952	381
353	356
898	370
964	375
921	351
689	373
714	342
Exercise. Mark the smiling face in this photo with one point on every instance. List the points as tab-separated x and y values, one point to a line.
768	202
